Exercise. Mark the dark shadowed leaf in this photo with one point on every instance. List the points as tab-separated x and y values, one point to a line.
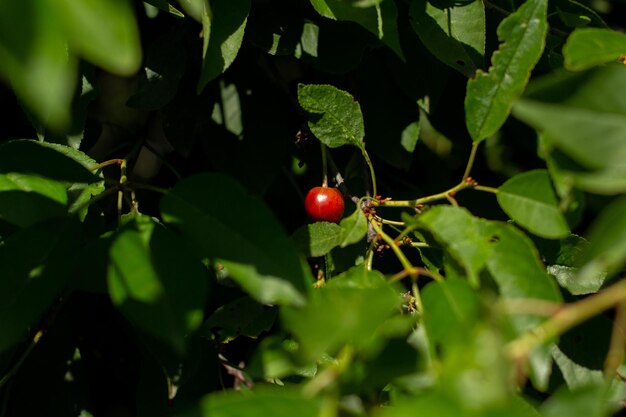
46	160
241	317
452	31
156	282
380	20
35	265
28	199
239	232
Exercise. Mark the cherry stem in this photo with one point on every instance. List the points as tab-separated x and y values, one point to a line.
324	166
470	162
13	371
406	264
368	161
486	189
449	194
615	356
110	162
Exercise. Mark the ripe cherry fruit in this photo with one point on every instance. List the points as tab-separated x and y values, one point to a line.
324	204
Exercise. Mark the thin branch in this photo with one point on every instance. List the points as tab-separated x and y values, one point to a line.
566	318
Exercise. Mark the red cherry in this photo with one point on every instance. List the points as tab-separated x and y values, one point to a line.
324	204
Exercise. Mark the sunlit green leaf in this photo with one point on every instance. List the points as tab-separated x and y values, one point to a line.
583	401
588	47
104	32
606	253
223	35
450	311
529	199
334	115
515	267
583	115
353	228
339	315
578	377
317	239
36	60
266	401
459	233
491	94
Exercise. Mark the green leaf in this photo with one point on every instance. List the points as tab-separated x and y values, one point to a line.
569	126
276	358
239	232
529	199
197	9
515	267
490	95
35	262
317	239
155	281
579	377
35	58
453	32
380	20
358	277
338	315
606	254
261	401
224	34
569	278
353	228
450	311
104	32
459	233
29	199
476	372
583	401
583	115
39	158
588	47
334	115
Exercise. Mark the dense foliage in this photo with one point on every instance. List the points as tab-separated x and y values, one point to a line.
155	254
